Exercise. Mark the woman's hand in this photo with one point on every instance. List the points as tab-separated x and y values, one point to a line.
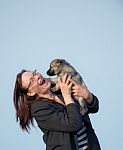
81	90
65	86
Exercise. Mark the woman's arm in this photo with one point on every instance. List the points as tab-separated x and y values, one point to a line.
93	107
51	116
91	99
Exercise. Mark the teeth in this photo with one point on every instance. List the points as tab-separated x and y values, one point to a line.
42	82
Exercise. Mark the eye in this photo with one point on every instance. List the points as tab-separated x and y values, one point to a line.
57	62
32	79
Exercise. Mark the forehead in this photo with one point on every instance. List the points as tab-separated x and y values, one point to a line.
26	77
56	62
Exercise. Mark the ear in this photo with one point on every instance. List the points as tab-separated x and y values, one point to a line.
31	93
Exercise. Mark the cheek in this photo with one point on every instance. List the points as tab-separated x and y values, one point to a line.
35	87
48	83
45	88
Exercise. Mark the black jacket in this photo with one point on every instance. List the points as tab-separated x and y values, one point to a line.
60	123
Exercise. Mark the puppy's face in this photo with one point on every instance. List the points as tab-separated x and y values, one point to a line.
55	67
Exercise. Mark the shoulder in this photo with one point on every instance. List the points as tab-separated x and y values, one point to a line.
43	104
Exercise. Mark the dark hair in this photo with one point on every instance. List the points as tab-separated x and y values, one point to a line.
22	103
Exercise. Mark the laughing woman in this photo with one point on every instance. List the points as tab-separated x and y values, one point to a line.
57	115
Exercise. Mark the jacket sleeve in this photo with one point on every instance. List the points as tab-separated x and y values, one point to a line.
49	116
94	106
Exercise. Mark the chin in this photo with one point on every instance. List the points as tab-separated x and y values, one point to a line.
48	84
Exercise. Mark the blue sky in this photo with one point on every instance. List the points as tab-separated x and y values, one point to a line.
88	34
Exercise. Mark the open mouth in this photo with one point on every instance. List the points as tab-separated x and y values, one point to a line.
42	82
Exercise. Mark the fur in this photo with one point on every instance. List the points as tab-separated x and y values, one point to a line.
59	67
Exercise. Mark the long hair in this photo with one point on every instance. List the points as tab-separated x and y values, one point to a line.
22	103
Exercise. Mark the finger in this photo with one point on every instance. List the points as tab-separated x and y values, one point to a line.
64	78
70	84
75	94
68	80
74	82
74	87
74	90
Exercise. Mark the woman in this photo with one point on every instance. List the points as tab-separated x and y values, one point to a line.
58	116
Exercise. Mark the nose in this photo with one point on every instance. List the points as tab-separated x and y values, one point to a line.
50	72
38	75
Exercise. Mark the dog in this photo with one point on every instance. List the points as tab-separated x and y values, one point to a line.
59	67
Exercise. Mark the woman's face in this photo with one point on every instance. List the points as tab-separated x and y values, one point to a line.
35	83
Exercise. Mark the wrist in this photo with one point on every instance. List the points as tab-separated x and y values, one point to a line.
88	96
68	100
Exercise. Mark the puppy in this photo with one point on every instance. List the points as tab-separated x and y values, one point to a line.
59	67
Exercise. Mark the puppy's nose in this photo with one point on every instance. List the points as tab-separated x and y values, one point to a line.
50	72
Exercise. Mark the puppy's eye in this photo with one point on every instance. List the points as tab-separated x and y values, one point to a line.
57	62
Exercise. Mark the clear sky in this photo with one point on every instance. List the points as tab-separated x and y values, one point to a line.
88	34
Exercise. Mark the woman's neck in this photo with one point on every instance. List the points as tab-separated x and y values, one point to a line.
48	95
52	97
